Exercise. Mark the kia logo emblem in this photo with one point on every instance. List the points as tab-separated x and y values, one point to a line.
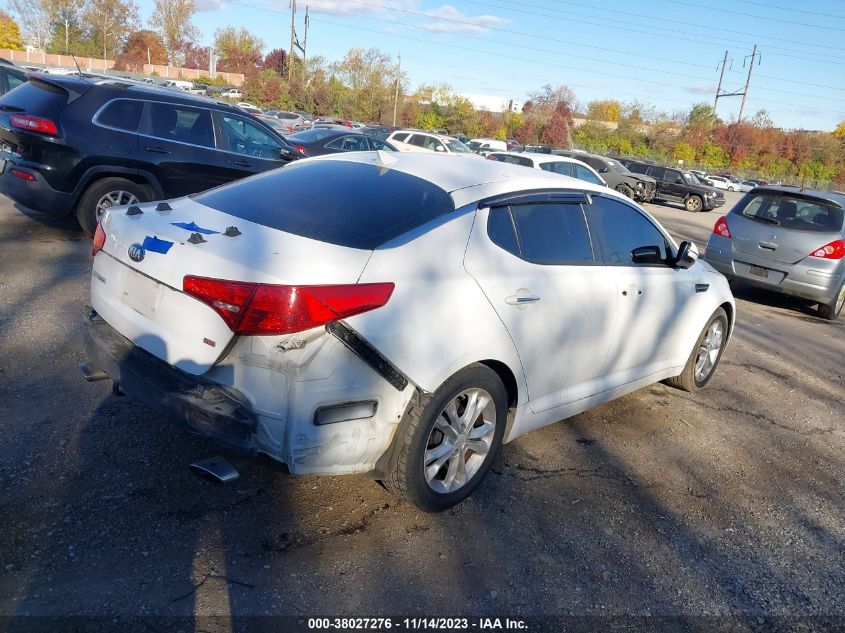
136	252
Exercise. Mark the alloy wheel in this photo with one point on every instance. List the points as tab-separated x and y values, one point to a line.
460	440
708	352
840	300
114	199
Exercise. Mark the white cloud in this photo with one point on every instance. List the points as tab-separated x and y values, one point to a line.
448	19
348	7
209	5
702	89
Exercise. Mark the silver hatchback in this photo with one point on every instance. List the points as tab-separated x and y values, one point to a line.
786	240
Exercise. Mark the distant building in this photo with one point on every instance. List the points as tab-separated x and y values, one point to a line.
494	103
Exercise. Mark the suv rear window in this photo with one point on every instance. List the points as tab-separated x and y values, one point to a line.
37	97
358	205
797	213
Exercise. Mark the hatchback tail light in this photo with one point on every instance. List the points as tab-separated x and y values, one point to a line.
249	308
34	124
721	227
99	240
834	250
300	149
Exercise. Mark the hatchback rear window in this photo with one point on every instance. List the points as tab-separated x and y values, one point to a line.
358	205
795	212
311	136
37	97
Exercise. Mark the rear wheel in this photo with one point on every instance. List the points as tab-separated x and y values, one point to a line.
448	440
104	194
693	204
832	310
705	355
625	190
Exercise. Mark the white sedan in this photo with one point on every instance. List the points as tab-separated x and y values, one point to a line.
399	315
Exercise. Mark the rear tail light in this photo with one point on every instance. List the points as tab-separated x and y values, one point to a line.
34	124
23	175
721	227
249	308
300	149
491	157
834	250
99	240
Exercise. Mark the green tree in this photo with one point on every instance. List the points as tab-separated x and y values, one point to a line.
239	50
110	22
702	114
607	110
714	157
10	33
684	151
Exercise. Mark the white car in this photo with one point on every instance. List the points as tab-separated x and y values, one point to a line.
400	315
561	165
720	183
231	93
413	141
484	146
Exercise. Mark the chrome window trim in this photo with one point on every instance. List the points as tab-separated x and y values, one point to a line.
141	134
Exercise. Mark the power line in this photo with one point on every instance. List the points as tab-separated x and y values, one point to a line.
568	13
779	8
754	15
554	52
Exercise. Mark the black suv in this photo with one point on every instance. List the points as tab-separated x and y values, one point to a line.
675	185
71	144
616	175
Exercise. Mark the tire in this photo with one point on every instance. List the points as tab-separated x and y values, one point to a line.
119	190
731	189
831	311
693	204
625	190
690	379
420	443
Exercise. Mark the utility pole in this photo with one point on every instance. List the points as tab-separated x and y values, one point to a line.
721	76
747	82
292	37
396	90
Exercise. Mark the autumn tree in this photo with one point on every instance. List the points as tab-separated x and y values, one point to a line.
172	20
10	33
111	21
527	132
607	110
141	46
275	60
193	56
839	132
239	50
371	76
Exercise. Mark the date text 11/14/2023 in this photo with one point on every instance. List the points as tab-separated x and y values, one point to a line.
416	624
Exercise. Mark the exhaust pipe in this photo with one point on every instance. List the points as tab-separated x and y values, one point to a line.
217	469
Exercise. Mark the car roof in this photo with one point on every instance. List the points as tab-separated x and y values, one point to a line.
434	134
835	197
465	179
542	158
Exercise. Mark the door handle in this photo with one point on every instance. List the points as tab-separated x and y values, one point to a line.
157	150
241	163
518	300
769	246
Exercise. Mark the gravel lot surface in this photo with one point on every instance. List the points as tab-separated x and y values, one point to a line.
730	501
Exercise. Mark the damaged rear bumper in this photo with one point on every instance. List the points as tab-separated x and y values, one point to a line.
204	407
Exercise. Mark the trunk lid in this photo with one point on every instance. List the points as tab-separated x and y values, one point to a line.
137	279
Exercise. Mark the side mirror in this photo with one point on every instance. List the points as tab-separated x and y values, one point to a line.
439	148
687	255
646	255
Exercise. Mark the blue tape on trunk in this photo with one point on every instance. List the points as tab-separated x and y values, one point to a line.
155	245
192	226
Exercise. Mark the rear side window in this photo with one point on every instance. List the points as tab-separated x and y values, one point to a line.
182	124
123	114
546	233
558	167
582	173
14	78
400	137
637	168
514	160
622	229
792	212
358	205
350	144
658	173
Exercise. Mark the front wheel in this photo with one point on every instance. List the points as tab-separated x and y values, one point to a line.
625	190
449	440
104	194
832	310
705	356
693	204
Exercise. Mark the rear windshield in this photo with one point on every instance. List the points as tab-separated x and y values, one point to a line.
350	204
794	212
312	135
37	97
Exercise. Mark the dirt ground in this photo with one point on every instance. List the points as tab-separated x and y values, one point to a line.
727	502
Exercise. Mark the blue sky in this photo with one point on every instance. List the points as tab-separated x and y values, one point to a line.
664	52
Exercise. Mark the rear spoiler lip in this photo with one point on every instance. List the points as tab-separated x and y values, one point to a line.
75	90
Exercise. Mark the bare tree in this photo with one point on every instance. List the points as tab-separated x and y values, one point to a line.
172	20
34	16
66	18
